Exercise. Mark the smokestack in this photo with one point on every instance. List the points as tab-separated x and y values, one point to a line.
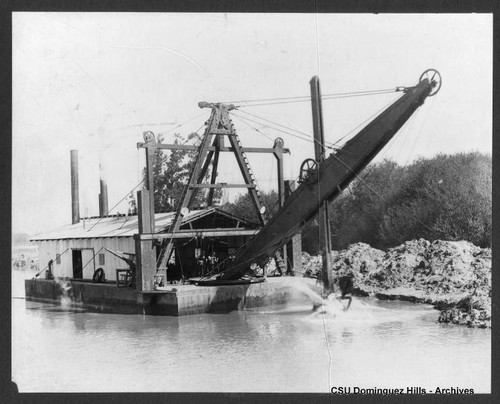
75	199
103	196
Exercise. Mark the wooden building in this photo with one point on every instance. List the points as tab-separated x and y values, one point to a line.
205	237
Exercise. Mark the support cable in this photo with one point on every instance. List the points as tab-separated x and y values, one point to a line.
276	123
304	98
252	127
308	139
277	129
186	122
326	99
365	121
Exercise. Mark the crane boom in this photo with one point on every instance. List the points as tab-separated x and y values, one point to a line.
331	176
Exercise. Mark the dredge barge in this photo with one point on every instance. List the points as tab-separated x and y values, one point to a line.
202	260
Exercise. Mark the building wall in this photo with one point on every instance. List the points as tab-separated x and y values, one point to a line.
48	249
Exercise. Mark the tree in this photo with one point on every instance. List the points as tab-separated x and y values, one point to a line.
244	207
171	172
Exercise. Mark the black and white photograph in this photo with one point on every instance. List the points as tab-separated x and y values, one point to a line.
214	202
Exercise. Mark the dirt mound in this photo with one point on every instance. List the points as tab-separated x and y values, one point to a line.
442	271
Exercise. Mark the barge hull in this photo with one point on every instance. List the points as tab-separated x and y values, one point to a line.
177	300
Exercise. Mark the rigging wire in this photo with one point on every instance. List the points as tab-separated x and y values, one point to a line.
276	123
310	140
186	122
308	137
366	120
277	129
371	167
279	100
408	128
324	98
253	127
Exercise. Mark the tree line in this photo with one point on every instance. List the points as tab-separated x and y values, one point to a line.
447	197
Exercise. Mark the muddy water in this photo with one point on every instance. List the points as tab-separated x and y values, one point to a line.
271	349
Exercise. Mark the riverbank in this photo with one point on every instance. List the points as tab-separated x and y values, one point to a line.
453	276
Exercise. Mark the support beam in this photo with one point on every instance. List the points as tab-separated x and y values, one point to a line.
173	146
217	143
221	185
150	181
190	233
278	147
145	249
325	243
294	247
317	119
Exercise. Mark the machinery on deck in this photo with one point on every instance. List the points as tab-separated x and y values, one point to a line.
125	276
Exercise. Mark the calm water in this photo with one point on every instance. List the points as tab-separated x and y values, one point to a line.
271	349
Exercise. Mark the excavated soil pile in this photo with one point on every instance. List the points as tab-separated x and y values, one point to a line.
454	276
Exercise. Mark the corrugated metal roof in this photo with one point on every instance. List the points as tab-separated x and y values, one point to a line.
120	226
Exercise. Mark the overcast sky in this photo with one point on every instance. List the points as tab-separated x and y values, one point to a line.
95	81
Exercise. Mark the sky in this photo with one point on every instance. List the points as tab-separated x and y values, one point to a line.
95	82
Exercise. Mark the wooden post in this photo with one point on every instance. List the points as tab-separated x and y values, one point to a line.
278	153
150	155
144	249
320	155
294	247
218	143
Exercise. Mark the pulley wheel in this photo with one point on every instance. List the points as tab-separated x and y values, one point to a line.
279	142
434	78
307	168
